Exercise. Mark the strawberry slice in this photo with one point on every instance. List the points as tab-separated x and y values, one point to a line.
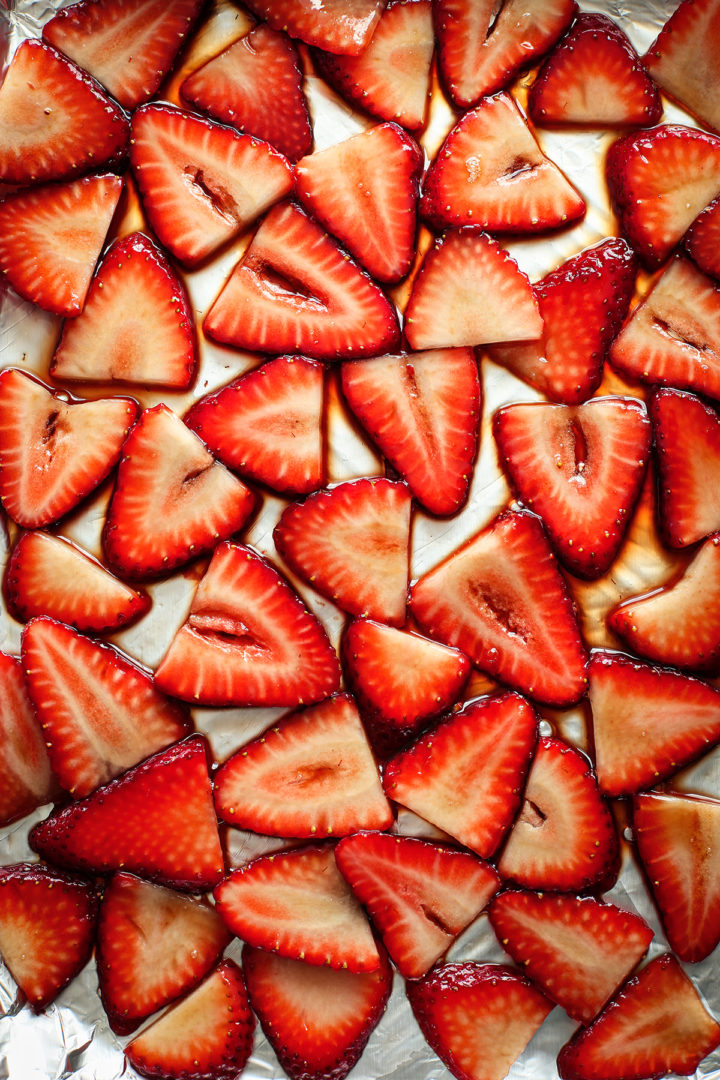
311	774
576	949
593	77
683	59
490	173
295	290
26	780
580	468
54	451
248	640
298	904
127	45
317	1020
351	543
201	183
656	1025
47	928
420	896
51	237
55	121
502	600
491	740
153	944
702	240
156	820
364	191
172	501
340	26
256	85
137	325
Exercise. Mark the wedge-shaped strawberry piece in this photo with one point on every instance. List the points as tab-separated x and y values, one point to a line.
702	240
683	59
157	820
311	774
298	904
656	1025
153	945
364	191
248	640
317	1020
564	837
340	26
502	600
420	896
470	292
581	469
26	780
594	77
127	45
54	451
172	501
137	325
492	739
351	542
295	290
201	183
490	173
47	928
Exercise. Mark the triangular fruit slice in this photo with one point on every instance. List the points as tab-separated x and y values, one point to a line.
295	290
153	945
351	543
684	61
702	240
340	26
54	452
26	780
580	468
157	820
172	501
137	325
248	640
420	896
311	774
491	740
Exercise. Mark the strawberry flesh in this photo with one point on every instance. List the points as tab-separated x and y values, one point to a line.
702	240
340	26
683	59
26	779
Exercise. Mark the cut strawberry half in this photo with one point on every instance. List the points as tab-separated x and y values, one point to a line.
53	451
702	240
248	640
683	59
295	290
577	950
26	779
351	543
340	26
580	468
491	740
419	896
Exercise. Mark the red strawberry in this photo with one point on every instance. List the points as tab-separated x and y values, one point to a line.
26	780
311	774
295	290
351	543
157	820
248	640
340	26
683	59
580	468
576	949
418	895
47	928
491	740
54	451
702	240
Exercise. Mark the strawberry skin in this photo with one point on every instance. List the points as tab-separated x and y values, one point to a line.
702	240
683	59
340	26
26	779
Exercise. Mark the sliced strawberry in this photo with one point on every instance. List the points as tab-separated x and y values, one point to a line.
576	949
47	928
157	820
201	183
137	325
702	240
656	1025
423	412
564	837
54	451
491	740
248	640
295	290
580	468
256	85
502	600
420	896
491	174
683	58
26	780
364	191
351	542
340	26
